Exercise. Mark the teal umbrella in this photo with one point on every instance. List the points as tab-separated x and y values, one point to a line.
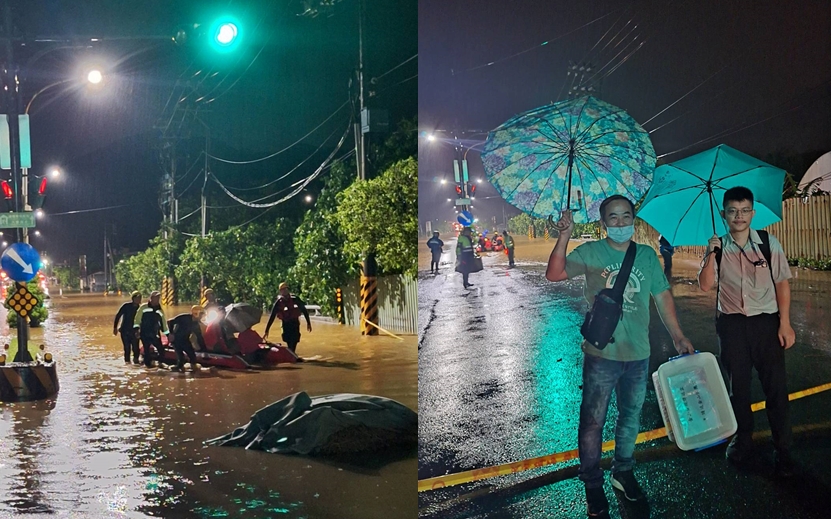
685	199
569	155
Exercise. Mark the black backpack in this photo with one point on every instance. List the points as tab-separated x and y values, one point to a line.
607	309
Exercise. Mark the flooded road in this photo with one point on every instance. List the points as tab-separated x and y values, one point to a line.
121	441
500	381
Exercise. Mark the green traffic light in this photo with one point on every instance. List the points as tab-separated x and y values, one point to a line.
225	34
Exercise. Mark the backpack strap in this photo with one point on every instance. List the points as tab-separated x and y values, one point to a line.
764	247
625	269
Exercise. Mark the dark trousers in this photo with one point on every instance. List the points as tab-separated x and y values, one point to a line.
435	261
667	263
511	257
753	342
291	333
183	347
156	342
131	344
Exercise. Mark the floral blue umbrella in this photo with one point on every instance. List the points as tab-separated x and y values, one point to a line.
685	201
571	154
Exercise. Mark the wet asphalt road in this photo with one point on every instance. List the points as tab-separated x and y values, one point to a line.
499	381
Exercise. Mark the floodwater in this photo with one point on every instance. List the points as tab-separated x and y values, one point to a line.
122	441
500	381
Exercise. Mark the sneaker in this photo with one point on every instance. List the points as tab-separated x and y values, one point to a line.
737	452
625	481
596	503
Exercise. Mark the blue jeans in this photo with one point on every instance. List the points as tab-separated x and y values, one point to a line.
600	377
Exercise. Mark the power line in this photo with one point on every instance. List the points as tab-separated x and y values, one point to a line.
284	149
297	190
292	170
543	44
414	56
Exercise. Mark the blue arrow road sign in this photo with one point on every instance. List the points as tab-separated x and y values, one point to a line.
20	261
465	218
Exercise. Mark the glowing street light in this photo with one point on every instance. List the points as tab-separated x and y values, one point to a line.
39	214
55	173
431	138
95	76
308	198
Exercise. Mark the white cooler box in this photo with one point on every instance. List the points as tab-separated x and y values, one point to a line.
694	402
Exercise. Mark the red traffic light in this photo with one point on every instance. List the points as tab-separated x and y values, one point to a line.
7	190
472	189
42	188
458	190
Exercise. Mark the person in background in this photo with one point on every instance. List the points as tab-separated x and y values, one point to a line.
435	245
509	246
667	250
288	308
464	254
150	323
129	339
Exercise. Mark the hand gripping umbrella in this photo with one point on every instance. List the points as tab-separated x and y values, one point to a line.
583	149
686	196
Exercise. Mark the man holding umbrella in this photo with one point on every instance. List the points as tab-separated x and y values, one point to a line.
623	365
753	324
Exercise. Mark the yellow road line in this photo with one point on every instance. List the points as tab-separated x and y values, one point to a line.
469	476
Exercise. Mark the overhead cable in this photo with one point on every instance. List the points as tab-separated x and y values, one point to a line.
226	161
298	189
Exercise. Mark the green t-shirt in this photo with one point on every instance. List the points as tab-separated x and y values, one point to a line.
601	264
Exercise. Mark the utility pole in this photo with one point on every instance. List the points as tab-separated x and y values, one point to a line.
360	137
12	85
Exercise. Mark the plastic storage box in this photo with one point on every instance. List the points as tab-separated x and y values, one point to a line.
694	402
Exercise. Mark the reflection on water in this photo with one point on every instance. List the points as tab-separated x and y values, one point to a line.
120	441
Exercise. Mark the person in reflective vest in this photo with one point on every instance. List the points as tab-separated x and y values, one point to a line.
464	254
509	246
151	323
288	308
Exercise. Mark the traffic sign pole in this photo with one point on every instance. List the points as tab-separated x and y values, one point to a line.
14	142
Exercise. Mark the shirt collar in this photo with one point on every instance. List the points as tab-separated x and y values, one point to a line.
754	237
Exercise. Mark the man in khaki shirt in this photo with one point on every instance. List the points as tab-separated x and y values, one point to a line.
753	326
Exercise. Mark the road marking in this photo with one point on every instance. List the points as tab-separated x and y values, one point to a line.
469	476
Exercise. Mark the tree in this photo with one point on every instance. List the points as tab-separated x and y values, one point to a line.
240	264
146	270
380	216
321	268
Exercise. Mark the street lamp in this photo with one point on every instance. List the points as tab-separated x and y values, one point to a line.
95	76
308	198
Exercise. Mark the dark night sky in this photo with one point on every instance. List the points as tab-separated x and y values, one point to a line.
768	60
291	73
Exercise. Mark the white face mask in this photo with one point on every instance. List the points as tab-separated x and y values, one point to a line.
621	234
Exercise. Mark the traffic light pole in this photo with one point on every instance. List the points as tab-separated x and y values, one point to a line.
10	79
